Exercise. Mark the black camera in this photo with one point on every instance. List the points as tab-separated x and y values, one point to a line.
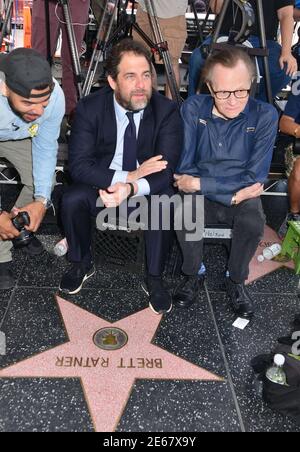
25	237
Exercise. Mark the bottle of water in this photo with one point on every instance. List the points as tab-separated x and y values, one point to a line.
202	270
270	252
61	248
276	373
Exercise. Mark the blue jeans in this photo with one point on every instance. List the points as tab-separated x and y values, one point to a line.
279	78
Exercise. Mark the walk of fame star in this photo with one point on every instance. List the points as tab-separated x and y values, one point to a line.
107	376
259	270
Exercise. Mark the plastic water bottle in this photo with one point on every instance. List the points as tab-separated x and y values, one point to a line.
270	252
61	248
202	270
276	373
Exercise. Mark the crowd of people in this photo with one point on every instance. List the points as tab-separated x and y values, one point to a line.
128	141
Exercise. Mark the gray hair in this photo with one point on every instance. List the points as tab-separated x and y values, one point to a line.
228	58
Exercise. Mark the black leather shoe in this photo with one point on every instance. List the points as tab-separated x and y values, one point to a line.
240	298
75	277
160	299
34	247
187	292
7	281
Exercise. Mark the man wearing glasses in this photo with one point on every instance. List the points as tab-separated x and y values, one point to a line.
229	139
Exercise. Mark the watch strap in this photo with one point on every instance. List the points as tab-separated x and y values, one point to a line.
131	194
47	203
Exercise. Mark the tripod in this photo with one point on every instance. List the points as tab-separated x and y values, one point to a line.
73	47
7	13
260	52
71	37
162	47
199	28
126	24
101	45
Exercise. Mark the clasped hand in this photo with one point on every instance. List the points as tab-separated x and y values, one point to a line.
116	194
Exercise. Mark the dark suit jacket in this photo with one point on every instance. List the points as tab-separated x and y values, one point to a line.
94	135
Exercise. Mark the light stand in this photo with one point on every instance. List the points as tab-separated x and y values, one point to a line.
99	49
197	22
48	32
7	13
258	52
162	46
126	24
72	43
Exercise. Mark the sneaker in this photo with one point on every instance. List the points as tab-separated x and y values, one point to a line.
7	281
75	277
34	247
240	298
285	226
187	292
160	299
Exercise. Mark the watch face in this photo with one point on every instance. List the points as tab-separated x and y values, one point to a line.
48	204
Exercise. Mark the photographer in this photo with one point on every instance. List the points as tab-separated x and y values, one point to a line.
32	107
281	62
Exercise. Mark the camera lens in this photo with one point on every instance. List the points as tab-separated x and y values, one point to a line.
25	237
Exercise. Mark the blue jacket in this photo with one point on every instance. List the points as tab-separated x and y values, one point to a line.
44	133
94	139
227	155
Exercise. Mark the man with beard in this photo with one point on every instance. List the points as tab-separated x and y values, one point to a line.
126	141
32	106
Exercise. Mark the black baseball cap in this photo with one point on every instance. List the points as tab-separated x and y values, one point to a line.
25	70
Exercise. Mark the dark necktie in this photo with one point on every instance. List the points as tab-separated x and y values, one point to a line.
130	145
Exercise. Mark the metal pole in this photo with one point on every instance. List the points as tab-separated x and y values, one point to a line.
72	43
199	28
164	51
263	41
99	49
220	21
8	13
48	33
9	25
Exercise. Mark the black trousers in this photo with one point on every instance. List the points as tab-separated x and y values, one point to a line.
247	220
78	210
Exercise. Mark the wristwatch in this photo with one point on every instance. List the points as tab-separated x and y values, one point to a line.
47	203
234	200
131	194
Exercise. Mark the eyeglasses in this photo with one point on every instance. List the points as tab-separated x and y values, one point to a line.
238	94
